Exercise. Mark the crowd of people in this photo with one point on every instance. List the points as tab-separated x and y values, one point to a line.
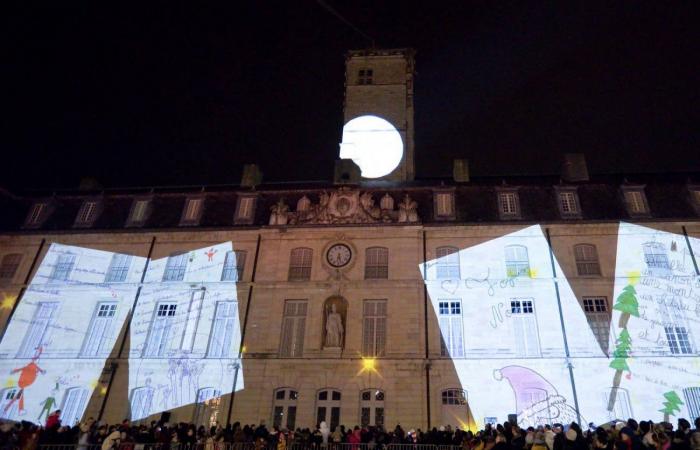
93	435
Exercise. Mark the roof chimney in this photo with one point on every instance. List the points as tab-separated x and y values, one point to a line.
252	176
460	170
574	168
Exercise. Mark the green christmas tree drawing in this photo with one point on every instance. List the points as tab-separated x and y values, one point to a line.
671	405
628	306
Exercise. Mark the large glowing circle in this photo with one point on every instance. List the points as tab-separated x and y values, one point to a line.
373	144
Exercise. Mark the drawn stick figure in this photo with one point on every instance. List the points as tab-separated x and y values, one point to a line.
210	254
27	377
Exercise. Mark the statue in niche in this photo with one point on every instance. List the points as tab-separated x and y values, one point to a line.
408	210
334	328
280	213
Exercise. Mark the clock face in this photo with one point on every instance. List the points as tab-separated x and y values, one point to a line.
338	255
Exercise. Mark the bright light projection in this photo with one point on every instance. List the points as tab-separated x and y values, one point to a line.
183	342
373	144
497	306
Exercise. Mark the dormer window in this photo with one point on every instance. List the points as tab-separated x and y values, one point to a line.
87	214
37	214
444	204
245	210
192	211
365	76
567	199
508	204
695	198
635	201
140	209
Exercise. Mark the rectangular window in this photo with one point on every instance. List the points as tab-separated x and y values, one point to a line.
596	309
517	261
194	312
635	202
38	329
586	257
300	264
233	266
524	327
508	203
87	213
447	262
450	320
74	403
293	328
373	327
118	268
365	76
175	267
9	266
36	214
377	263
678	341
63	268
99	338
192	211
141	400
139	212
159	338
692	400
655	255
568	203
223	332
444	202
245	207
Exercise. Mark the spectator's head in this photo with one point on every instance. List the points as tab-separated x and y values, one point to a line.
632	424
697	423
683	425
626	434
644	426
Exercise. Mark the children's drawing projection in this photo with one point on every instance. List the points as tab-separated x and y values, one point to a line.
498	307
63	330
185	334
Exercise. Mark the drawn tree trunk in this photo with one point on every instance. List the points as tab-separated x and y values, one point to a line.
628	306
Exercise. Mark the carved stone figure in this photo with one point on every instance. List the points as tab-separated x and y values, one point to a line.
387	203
280	213
334	328
408	210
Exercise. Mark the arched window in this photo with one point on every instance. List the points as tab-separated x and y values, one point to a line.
447	262
300	264
284	408
328	407
517	261
74	403
376	263
141	400
372	408
586	260
207	410
9	266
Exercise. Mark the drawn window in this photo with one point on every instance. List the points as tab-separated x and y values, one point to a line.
622	408
74	403
118	268
161	327
233	266
175	267
454	397
524	327
508	204
284	408
586	256
635	201
447	262
372	408
450	320
692	400
141	401
87	212
328	407
300	264
63	267
377	263
99	338
222	342
9	403
568	203
596	309
517	261
191	321
9	266
655	255
678	341
373	327
293	328
365	76
192	211
36	214
444	204
206	412
38	329
139	212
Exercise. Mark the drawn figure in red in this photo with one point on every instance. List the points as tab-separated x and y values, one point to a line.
27	377
210	254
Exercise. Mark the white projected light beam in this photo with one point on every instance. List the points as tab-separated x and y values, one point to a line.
373	144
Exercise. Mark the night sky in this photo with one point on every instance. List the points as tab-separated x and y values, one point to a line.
174	93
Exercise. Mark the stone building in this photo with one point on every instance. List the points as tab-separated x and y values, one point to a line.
358	301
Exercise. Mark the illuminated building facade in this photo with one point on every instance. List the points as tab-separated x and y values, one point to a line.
404	301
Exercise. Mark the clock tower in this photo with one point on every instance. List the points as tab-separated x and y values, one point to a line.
380	83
